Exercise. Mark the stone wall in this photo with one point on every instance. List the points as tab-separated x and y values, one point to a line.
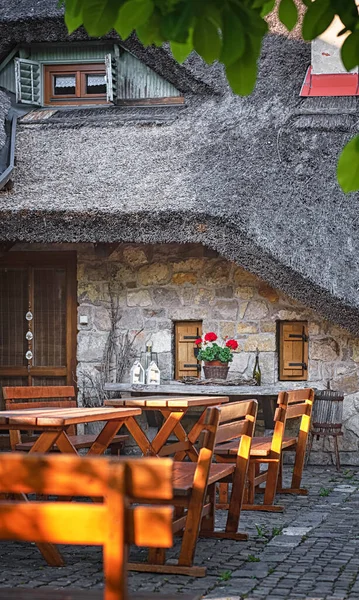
157	285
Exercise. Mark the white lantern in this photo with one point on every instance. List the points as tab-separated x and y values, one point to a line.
137	373
153	374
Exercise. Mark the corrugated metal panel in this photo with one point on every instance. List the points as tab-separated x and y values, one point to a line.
70	52
7	77
137	81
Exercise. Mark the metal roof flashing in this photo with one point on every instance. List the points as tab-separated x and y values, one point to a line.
7	154
330	84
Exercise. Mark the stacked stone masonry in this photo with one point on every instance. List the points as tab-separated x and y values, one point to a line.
157	285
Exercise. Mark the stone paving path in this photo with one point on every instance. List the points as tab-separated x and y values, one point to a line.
308	552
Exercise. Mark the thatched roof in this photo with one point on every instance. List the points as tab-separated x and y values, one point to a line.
253	178
4	109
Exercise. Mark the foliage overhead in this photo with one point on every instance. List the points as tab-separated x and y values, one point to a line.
230	31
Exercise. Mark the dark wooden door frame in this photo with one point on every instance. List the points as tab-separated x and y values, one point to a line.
67	260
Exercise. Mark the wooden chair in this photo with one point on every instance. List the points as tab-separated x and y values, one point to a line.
195	487
20	398
269	450
113	524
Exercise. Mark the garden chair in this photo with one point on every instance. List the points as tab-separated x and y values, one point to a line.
114	524
269	450
20	398
195	486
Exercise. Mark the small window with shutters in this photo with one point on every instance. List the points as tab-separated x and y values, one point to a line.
293	350
186	364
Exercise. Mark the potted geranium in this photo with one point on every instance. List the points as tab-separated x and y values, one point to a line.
216	357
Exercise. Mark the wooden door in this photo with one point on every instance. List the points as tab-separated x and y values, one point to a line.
37	318
186	332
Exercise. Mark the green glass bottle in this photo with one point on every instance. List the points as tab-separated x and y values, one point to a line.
257	375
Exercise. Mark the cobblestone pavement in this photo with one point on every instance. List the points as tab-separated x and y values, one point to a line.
307	552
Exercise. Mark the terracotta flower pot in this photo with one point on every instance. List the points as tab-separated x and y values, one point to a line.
215	369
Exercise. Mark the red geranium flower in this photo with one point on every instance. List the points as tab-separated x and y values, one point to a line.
198	341
232	344
210	337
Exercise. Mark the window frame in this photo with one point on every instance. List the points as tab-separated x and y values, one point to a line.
80	70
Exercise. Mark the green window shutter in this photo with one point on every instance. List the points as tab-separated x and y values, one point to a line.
111	77
27	78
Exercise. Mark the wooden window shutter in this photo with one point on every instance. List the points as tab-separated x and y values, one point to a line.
186	332
293	350
28	84
111	62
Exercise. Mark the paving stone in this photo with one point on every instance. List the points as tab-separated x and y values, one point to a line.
315	557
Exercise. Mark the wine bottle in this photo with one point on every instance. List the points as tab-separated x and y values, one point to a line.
148	355
257	370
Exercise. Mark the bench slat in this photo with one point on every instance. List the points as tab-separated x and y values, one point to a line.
78	441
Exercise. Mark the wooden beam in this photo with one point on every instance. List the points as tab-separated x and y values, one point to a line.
105	250
5	247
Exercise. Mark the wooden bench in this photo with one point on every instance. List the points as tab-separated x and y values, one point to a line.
114	524
269	450
195	487
20	398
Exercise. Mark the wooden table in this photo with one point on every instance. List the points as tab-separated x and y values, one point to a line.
52	425
266	395
173	410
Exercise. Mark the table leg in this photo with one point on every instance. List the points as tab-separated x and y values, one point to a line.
48	551
64	444
268	408
192	437
171	425
45	441
140	438
105	437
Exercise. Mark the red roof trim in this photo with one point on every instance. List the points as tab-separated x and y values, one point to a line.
338	84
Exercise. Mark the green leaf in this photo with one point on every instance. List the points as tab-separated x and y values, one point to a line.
348	166
242	74
350	51
99	16
213	14
176	24
233	39
267	8
182	51
288	13
132	15
73	15
206	40
317	19
347	12
149	32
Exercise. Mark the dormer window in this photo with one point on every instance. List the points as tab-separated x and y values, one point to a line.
75	84
83	74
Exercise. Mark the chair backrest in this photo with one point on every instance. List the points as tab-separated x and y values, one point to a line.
237	420
223	424
290	405
22	397
112	524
